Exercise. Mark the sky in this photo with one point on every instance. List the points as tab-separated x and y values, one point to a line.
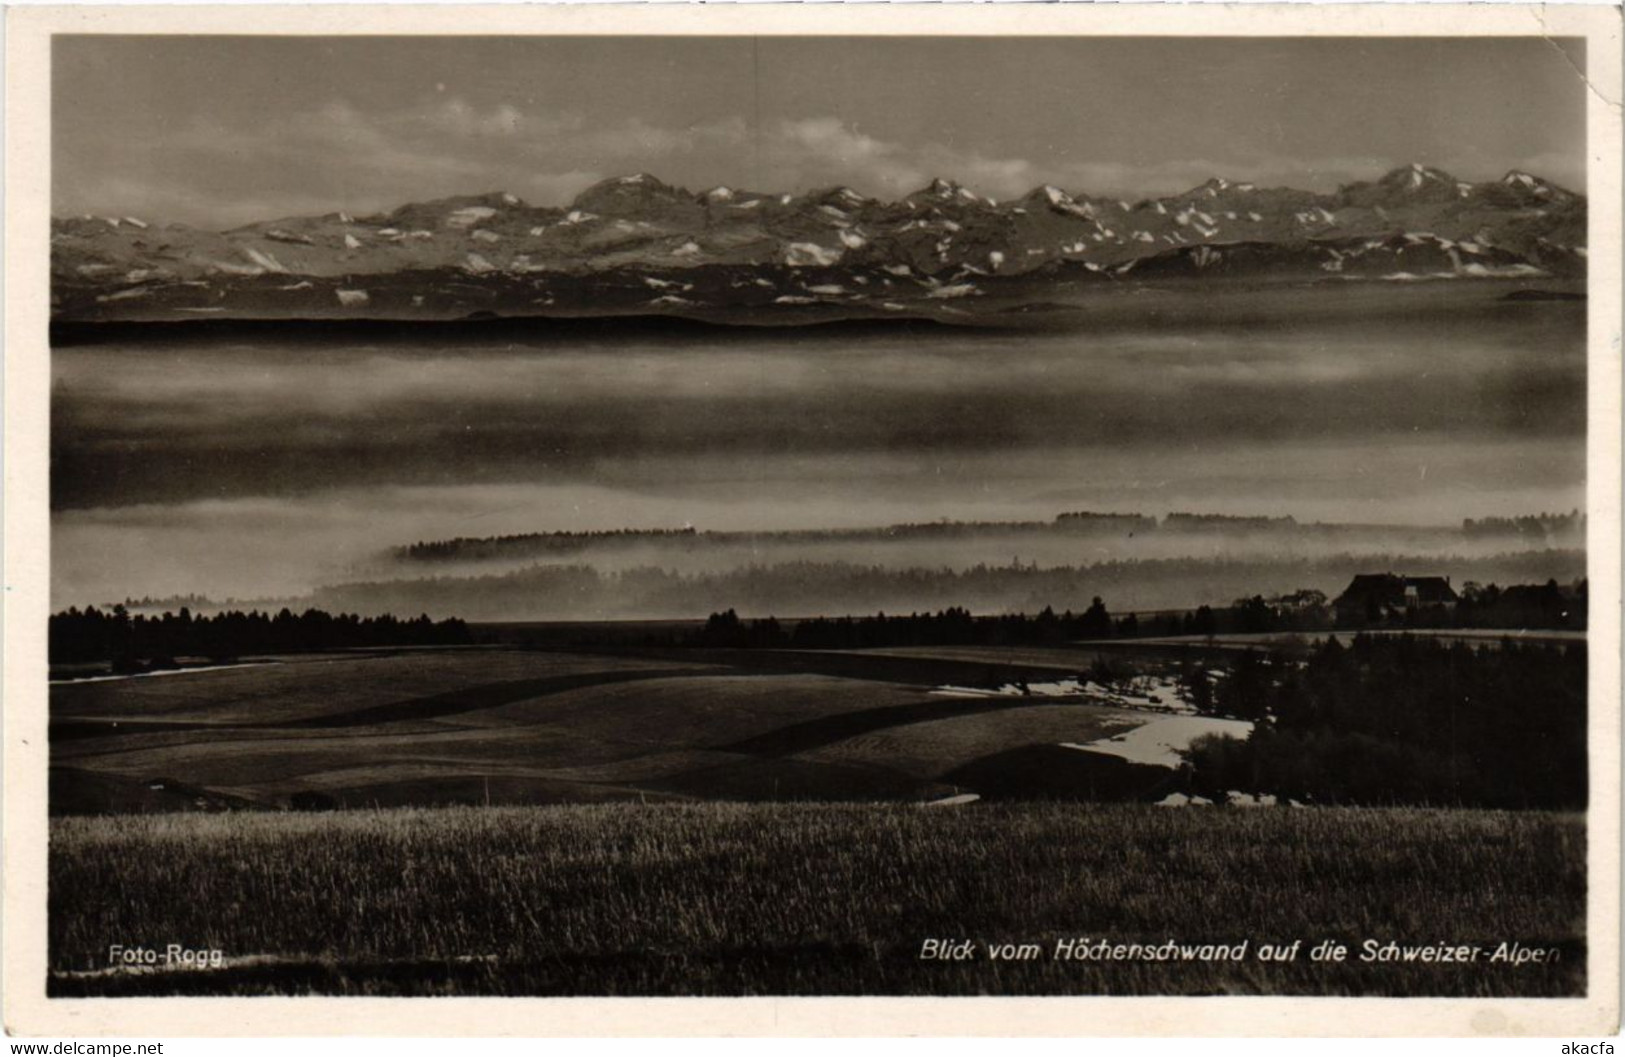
220	131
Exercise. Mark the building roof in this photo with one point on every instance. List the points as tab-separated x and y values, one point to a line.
1393	590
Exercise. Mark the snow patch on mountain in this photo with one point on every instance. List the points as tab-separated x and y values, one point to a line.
264	260
810	255
468	216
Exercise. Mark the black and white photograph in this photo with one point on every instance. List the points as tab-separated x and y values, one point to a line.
727	514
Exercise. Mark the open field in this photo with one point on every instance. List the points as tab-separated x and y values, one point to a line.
497	726
724	899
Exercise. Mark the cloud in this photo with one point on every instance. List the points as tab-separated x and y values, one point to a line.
340	156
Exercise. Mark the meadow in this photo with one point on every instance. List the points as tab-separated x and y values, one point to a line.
787	899
481	726
714	820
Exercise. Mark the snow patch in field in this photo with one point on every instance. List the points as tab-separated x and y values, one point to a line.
1059	688
486	236
954	801
1181	800
352	298
478	264
1163	742
1147	693
159	672
954	290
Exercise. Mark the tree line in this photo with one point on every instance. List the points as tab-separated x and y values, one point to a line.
1542	607
807	588
1537	529
539	544
141	642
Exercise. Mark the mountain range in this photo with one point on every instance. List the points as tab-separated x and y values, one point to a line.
635	244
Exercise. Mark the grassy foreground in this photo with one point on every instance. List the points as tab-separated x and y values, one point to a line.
737	899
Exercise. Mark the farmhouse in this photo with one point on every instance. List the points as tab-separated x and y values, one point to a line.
1374	597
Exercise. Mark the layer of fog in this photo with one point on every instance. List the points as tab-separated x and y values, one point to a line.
272	469
141	424
259	547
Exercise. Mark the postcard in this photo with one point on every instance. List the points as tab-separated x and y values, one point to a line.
812	520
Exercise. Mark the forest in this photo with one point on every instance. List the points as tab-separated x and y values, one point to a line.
1401	720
